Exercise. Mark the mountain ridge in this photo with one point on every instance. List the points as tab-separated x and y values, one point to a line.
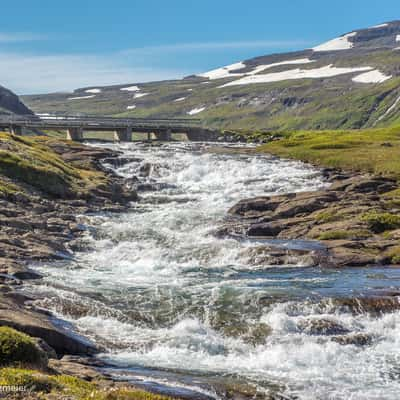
352	81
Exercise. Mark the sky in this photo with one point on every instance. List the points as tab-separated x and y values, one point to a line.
53	46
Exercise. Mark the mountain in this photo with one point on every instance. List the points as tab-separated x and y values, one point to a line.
11	104
352	81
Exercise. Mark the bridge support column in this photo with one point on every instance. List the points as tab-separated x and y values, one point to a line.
16	130
75	134
164	135
123	135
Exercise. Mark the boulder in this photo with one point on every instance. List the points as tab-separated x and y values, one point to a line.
323	326
41	326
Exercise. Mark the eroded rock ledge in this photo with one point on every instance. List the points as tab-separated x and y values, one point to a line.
356	219
46	186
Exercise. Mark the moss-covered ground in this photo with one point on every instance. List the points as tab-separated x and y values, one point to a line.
32	161
366	150
24	374
33	384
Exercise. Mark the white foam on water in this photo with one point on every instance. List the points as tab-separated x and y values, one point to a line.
157	286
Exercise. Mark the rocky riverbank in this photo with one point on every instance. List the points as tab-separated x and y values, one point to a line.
46	185
355	220
352	222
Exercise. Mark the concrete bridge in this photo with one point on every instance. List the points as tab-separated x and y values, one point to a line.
123	128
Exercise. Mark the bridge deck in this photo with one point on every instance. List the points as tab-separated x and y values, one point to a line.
98	123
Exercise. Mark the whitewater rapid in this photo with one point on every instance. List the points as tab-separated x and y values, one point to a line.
159	290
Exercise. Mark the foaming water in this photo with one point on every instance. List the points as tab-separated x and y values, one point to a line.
159	291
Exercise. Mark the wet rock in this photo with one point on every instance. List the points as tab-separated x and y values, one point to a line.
304	203
39	325
334	215
258	204
322	326
117	162
23	273
145	169
45	348
265	229
356	339
375	305
68	367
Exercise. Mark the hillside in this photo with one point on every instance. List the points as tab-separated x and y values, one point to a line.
349	82
11	104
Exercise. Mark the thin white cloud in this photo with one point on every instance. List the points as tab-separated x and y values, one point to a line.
207	46
42	74
15	37
30	73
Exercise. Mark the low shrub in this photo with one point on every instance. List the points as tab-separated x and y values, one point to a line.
381	222
16	347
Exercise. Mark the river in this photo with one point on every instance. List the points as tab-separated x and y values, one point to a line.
175	306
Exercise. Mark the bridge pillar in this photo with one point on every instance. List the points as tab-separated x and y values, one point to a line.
16	130
75	134
164	135
123	135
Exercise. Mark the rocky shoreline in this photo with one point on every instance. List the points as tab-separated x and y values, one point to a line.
355	221
36	227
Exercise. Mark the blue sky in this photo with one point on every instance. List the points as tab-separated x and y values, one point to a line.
61	45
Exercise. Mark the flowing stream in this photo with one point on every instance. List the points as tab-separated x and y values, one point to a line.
171	303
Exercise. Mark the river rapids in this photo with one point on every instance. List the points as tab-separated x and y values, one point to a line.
173	305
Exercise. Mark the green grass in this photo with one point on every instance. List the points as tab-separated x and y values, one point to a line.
44	386
340	234
32	161
367	150
16	347
381	222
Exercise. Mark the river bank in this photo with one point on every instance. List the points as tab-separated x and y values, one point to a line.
169	182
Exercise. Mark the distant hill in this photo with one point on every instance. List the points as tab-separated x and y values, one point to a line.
349	82
11	104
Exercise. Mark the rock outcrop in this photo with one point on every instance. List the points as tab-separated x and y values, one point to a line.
356	220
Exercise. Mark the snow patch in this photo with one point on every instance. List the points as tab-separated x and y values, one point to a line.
374	76
323	72
398	38
131	107
223	72
196	111
340	43
139	95
379	26
180	99
81	97
261	68
93	91
130	89
388	111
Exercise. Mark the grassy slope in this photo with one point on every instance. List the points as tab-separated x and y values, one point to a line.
370	150
32	161
45	386
24	365
329	103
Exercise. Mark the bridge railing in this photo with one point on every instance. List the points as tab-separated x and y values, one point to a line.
78	120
